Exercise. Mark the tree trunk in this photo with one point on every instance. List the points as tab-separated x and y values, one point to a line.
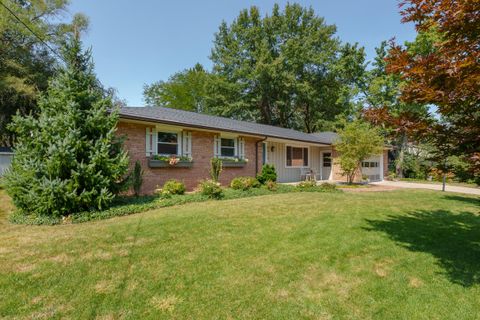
401	156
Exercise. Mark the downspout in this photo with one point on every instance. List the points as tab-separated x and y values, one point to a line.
256	154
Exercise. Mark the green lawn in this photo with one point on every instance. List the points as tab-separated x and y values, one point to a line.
407	254
450	183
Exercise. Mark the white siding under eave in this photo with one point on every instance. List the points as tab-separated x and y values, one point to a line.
278	159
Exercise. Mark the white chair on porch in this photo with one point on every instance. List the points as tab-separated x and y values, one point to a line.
307	174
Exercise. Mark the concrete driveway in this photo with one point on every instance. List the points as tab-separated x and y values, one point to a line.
414	185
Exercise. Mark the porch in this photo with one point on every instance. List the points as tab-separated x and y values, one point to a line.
296	162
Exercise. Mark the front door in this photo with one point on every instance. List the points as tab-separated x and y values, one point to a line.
326	165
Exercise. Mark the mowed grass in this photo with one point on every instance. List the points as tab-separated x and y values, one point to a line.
372	255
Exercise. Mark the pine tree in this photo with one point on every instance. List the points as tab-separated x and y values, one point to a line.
68	159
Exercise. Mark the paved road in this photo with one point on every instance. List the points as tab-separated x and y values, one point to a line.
414	185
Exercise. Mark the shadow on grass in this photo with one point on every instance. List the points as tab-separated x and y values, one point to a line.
454	239
467	200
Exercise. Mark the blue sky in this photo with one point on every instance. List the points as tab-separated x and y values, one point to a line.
138	42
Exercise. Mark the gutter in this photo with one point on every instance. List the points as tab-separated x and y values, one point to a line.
256	153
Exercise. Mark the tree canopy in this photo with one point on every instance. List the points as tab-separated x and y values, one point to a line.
27	63
287	69
184	90
357	141
444	71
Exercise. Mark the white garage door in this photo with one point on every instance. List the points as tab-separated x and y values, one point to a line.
373	168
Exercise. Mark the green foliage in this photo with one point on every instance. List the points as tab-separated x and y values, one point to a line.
215	168
268	173
172	187
285	69
328	187
137	178
306	185
210	189
184	90
26	64
416	166
68	159
168	158
244	183
271	185
312	186
357	142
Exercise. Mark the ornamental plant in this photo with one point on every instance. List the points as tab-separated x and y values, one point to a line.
210	189
68	159
137	178
215	168
268	174
172	187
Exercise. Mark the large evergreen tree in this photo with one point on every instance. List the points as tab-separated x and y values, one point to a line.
68	159
286	69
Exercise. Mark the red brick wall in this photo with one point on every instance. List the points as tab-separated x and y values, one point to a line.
202	152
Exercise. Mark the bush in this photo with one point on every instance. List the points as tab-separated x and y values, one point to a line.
211	189
271	185
327	187
172	187
268	174
137	178
306	185
244	183
215	168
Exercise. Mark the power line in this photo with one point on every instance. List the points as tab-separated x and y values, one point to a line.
29	29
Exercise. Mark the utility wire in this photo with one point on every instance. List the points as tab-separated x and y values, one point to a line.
29	29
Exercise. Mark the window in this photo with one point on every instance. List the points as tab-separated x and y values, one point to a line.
227	147
327	160
371	164
297	157
167	143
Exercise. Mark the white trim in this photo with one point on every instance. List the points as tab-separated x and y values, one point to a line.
381	165
297	146
330	176
265	143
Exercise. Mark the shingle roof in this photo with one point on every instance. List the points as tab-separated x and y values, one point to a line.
197	120
328	136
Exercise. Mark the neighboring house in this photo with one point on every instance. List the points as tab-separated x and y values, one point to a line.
153	132
6	156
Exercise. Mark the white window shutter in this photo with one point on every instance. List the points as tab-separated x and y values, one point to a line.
187	144
148	142
216	146
154	141
241	148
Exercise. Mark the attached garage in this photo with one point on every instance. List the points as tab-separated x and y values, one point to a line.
373	168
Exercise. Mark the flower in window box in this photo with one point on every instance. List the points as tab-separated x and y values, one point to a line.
246	160
173	161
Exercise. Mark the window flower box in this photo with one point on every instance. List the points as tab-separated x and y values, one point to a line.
170	162
233	162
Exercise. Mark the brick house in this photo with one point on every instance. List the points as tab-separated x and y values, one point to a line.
155	135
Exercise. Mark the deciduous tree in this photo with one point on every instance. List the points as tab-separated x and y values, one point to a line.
446	73
286	69
357	141
26	63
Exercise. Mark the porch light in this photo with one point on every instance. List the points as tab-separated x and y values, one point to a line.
272	148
